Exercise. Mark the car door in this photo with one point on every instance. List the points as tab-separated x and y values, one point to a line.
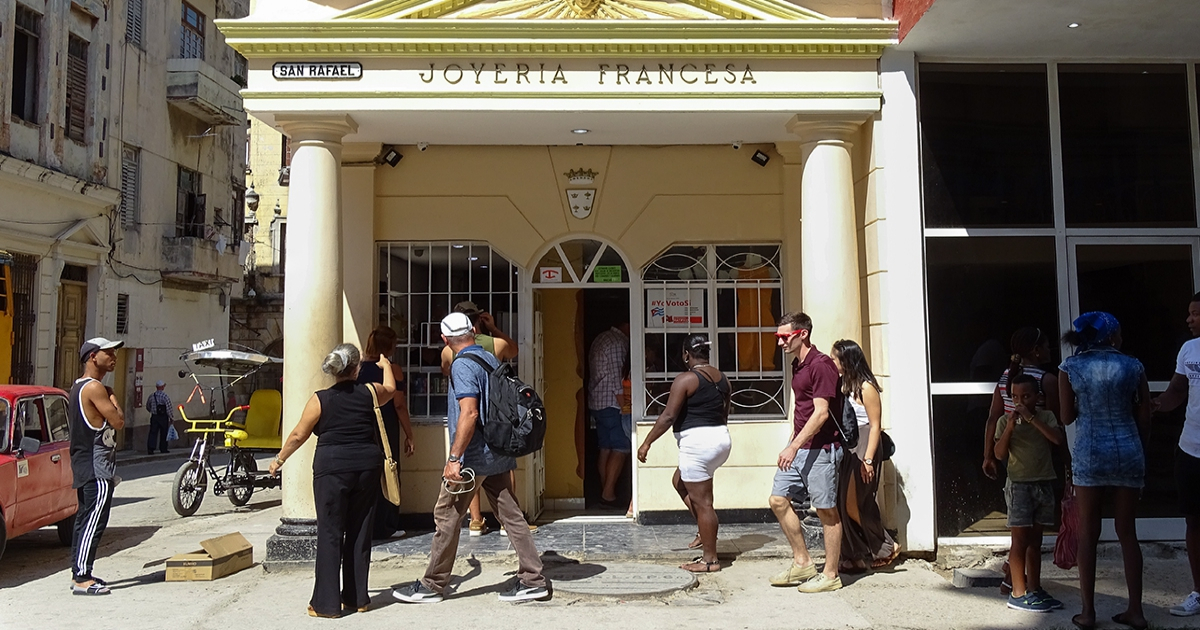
55	408
38	473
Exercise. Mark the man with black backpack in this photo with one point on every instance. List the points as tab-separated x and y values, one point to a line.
471	457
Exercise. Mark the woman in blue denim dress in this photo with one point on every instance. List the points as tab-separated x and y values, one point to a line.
1105	394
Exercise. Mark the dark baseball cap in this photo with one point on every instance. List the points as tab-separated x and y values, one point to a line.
96	344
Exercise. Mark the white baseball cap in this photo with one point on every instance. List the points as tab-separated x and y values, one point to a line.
96	344
456	325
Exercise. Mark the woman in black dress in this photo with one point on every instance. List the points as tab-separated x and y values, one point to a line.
382	343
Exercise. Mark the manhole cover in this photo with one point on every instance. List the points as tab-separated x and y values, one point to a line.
619	580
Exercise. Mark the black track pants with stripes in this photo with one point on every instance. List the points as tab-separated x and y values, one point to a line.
91	518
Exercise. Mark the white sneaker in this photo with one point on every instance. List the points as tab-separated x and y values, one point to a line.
1189	607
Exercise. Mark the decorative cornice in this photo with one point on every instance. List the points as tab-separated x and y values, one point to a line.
59	184
560	39
729	9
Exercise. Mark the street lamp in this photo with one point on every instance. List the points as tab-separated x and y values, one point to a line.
252	199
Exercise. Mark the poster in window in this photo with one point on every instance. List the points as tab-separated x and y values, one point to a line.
675	308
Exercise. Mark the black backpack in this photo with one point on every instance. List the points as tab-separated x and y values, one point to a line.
516	418
847	422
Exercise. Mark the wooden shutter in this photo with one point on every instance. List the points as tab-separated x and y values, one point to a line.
77	72
122	313
129	186
133	23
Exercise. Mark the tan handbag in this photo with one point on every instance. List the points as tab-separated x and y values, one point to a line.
390	480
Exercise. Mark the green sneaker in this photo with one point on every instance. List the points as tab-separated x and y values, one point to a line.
1029	603
1046	598
821	584
793	575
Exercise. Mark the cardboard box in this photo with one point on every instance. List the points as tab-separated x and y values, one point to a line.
217	558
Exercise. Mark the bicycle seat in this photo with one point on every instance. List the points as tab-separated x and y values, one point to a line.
262	423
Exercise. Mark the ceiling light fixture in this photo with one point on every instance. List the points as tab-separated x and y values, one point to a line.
1073	25
580	131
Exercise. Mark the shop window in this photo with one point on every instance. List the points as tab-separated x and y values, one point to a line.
134	20
1126	139
968	502
77	87
980	291
419	284
26	40
130	185
191	45
189	205
734	295
985	142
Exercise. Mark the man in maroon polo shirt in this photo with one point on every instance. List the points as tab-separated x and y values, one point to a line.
810	460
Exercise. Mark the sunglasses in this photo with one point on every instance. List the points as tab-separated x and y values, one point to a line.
787	336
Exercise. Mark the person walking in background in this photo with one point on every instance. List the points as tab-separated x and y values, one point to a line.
347	464
1106	393
469	452
1185	387
605	362
697	411
492	339
93	419
382	343
811	459
159	407
865	543
1025	439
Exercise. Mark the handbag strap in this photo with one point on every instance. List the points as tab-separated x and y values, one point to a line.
387	446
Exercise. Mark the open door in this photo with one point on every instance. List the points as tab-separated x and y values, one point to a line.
537	461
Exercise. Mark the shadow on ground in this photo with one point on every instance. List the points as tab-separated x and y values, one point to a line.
38	554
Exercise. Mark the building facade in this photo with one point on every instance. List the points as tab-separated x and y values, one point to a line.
122	148
702	167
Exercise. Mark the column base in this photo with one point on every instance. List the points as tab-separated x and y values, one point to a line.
294	545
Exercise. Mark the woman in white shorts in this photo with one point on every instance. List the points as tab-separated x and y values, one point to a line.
698	411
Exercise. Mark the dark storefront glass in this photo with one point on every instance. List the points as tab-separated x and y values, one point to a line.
981	290
966	498
1126	145
985	140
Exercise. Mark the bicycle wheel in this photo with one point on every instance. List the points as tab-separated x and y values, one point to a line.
242	479
188	489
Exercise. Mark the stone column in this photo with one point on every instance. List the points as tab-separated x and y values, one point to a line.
828	231
312	308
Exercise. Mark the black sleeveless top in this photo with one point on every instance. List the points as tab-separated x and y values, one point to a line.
706	407
347	432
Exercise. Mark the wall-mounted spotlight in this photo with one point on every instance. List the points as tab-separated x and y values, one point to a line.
391	157
760	158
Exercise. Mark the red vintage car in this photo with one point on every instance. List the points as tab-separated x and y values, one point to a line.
35	462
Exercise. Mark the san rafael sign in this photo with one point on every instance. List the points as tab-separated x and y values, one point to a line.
317	70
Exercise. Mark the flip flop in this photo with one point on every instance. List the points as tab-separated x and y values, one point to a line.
94	588
696	544
1119	619
94	579
698	565
1082	626
883	562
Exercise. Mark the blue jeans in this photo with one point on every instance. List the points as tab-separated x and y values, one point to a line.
611	434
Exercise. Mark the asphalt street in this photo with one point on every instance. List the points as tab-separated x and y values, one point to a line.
144	531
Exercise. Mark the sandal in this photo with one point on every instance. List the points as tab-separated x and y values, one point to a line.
696	544
883	562
698	565
1081	625
851	568
314	613
1120	619
95	588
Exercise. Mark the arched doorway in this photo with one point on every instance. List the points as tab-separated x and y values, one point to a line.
581	288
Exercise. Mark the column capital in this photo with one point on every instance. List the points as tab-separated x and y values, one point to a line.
792	152
823	130
360	153
300	126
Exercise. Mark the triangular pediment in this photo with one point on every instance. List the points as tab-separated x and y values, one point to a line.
689	10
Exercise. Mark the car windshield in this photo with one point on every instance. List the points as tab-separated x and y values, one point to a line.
4	417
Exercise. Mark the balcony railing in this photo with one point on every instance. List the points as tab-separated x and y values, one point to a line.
197	261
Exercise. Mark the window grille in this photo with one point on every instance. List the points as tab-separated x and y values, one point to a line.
122	313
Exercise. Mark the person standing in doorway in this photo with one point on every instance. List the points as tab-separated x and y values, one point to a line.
469	452
606	361
159	406
94	418
810	460
1185	387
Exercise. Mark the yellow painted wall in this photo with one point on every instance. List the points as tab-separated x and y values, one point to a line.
561	368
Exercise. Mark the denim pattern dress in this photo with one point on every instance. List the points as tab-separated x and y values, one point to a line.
1108	450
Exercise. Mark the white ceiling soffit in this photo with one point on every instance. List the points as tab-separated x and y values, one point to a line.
1039	29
